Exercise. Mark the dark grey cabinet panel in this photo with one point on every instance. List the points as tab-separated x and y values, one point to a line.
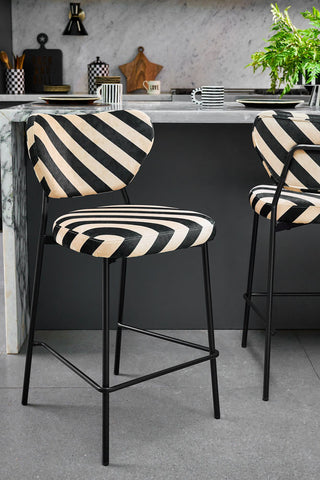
209	168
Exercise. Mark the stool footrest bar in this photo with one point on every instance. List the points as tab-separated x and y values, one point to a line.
70	365
159	373
135	381
254	308
287	294
164	337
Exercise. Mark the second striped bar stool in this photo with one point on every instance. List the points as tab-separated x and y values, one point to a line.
289	146
79	155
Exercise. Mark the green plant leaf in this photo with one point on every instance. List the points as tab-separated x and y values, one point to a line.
289	51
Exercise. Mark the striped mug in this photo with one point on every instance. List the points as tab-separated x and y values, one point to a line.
211	96
110	92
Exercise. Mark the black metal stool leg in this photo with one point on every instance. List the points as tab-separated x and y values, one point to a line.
213	365
34	301
120	316
272	244
250	279
105	362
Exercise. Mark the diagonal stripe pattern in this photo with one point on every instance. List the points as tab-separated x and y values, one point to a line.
78	155
132	230
274	135
293	207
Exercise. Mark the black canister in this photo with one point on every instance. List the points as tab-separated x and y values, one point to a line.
96	69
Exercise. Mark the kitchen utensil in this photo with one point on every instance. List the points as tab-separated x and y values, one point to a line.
5	59
152	86
268	103
20	61
42	66
211	96
95	69
110	93
70	99
139	70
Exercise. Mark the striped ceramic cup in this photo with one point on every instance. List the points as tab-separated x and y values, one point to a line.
211	96
110	92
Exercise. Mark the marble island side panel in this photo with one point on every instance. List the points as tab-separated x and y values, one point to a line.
14	227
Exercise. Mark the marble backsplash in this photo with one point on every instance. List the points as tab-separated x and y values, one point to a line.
199	42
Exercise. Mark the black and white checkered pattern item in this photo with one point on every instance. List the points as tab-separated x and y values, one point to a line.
15	81
98	69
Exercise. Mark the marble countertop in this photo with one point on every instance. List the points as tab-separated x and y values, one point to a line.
159	111
34	97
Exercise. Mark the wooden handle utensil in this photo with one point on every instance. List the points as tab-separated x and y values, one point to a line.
4	58
19	61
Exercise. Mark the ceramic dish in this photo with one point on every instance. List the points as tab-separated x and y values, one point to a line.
269	103
70	99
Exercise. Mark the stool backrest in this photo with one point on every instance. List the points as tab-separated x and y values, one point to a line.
78	155
275	133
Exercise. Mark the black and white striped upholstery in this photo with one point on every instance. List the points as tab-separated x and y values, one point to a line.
293	207
274	135
77	155
132	230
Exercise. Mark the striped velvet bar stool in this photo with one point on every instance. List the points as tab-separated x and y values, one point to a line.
289	147
79	155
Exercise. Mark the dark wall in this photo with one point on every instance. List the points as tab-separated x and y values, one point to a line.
5	35
209	168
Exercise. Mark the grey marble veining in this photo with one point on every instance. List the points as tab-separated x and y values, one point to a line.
199	42
15	252
15	257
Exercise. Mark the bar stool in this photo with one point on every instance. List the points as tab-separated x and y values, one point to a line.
289	146
79	155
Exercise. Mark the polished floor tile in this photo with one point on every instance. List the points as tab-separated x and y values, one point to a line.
310	342
163	429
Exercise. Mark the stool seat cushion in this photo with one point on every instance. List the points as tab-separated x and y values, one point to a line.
293	206
132	230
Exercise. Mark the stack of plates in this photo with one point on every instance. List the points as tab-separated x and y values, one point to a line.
100	80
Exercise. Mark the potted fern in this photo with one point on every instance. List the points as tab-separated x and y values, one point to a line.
290	52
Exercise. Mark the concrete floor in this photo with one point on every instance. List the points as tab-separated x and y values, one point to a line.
164	428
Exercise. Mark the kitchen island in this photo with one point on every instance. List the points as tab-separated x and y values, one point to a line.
202	160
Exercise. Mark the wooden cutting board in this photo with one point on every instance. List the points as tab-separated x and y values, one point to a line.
139	70
42	66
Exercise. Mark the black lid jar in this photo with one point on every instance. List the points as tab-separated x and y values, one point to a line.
97	68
